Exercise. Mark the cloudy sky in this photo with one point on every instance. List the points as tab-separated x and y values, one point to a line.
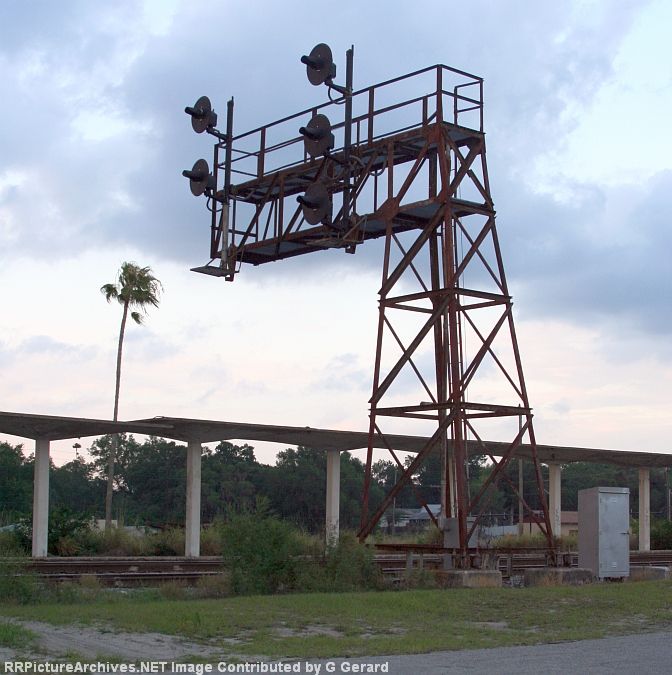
93	139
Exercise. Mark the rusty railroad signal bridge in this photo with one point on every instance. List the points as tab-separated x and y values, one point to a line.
402	161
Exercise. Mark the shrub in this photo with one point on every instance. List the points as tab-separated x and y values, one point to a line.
24	534
115	542
260	551
167	542
65	528
347	566
522	541
11	545
67	546
350	566
661	535
211	541
66	531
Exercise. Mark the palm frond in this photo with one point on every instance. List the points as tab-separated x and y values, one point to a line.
110	291
137	317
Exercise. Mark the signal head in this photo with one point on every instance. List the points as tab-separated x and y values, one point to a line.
317	136
320	65
315	203
200	178
202	115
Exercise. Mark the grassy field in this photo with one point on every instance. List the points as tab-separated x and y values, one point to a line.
350	624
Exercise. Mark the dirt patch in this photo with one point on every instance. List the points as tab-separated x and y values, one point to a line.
495	625
306	631
395	630
91	643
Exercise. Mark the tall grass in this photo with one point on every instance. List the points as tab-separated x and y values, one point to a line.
567	543
17	585
14	636
348	566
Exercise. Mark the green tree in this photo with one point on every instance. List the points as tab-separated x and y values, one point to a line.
296	488
126	450
154	484
16	483
136	288
75	488
231	478
386	473
352	484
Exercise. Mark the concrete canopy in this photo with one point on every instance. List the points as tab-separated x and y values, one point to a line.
205	431
330	439
565	455
54	428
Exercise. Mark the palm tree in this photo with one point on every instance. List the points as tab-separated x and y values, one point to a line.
136	287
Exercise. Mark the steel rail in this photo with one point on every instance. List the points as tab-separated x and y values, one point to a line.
395	565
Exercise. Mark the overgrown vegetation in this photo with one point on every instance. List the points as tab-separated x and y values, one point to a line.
261	551
661	535
262	554
265	554
568	543
82	540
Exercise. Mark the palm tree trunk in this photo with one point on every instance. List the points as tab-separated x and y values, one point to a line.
115	441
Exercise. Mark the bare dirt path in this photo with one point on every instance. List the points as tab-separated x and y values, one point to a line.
74	642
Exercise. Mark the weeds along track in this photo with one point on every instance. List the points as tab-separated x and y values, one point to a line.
135	571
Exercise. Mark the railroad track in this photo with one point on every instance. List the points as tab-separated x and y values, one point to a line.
126	571
151	570
509	564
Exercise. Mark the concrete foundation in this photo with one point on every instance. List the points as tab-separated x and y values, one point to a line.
649	573
469	578
558	576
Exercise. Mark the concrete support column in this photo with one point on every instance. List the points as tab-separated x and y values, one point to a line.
644	510
555	497
41	499
333	496
192	530
521	492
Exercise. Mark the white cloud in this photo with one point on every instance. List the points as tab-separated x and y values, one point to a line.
93	140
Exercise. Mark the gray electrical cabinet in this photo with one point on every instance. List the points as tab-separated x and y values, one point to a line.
604	540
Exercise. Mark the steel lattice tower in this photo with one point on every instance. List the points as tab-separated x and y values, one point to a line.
410	169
